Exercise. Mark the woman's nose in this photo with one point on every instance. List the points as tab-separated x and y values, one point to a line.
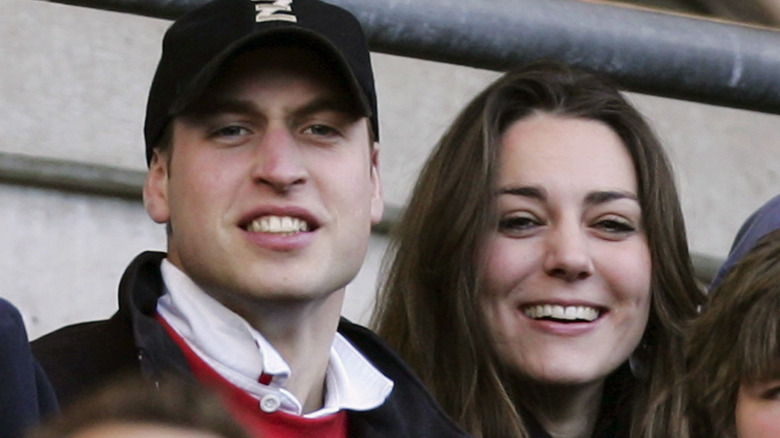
568	256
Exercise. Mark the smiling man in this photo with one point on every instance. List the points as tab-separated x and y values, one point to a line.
261	133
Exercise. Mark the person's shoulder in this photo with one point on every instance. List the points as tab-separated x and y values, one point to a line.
84	336
108	337
370	345
381	355
410	410
26	393
13	336
7	308
10	319
80	356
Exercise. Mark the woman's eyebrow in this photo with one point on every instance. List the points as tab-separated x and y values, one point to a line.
603	196
525	191
592	198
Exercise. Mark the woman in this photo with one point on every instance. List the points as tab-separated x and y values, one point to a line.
734	347
542	247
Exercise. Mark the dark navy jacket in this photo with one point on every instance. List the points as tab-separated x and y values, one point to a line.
81	356
25	392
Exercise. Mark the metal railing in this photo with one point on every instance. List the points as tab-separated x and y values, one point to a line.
663	54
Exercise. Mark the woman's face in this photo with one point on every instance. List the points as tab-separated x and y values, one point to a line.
568	265
758	409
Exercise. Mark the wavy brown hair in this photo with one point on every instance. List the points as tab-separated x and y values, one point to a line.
736	340
429	300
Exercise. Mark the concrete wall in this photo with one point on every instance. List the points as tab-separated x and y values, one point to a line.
73	87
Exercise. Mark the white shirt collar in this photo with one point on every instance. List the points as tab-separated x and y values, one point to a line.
211	330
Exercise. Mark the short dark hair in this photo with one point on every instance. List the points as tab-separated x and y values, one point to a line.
129	400
736	340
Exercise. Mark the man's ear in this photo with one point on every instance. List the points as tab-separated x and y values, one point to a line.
377	199
156	189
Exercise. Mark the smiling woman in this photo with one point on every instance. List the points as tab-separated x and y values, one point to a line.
540	279
567	275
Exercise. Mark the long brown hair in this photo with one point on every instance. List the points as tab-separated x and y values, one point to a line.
428	307
736	340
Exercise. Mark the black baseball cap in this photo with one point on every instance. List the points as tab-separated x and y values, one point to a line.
198	44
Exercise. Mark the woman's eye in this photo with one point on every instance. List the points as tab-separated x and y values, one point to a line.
615	225
516	224
772	392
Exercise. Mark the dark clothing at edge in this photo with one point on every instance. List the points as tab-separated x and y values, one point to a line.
25	392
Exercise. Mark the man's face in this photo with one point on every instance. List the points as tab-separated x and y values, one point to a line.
272	184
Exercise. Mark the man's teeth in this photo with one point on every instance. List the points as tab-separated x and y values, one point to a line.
284	225
567	313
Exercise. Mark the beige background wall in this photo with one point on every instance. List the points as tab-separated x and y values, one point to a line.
73	87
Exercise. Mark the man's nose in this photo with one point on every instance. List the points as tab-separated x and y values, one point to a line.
278	161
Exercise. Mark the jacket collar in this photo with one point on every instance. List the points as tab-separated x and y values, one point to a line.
139	290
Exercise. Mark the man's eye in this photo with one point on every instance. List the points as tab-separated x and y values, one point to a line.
320	130
231	131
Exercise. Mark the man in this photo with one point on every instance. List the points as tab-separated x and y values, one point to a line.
260	137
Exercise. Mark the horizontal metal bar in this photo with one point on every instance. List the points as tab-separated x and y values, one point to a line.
71	176
645	51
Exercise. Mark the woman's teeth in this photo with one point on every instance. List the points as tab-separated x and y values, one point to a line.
565	313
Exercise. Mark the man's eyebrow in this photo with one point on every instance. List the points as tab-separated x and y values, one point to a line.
330	103
218	105
223	105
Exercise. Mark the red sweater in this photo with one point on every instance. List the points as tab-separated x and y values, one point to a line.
246	409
